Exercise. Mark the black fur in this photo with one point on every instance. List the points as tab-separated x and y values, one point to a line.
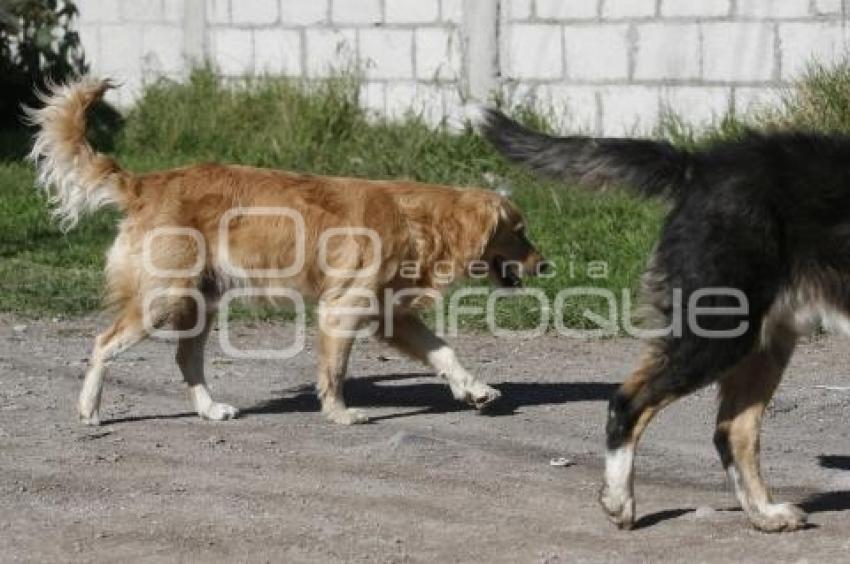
653	168
621	420
764	214
724	449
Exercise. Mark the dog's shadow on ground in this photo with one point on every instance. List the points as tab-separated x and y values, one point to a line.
651	519
822	502
837	462
827	502
432	397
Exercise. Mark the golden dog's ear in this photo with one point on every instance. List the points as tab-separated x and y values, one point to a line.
509	213
477	224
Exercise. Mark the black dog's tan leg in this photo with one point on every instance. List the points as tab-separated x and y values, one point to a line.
413	337
744	395
336	336
127	330
190	359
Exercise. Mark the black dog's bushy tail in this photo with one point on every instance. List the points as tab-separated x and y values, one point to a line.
653	168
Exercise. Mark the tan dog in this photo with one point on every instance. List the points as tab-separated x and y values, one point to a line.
366	251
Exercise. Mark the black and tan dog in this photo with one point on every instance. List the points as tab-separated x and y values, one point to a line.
760	228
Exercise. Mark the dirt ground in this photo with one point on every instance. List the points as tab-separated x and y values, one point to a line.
427	481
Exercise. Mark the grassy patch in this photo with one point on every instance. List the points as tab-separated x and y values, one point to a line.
42	270
320	128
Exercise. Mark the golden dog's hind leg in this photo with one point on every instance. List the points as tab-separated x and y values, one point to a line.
126	331
744	394
413	337
336	336
190	359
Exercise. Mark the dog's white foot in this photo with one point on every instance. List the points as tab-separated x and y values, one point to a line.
477	394
346	416
89	414
778	517
620	508
91	419
215	411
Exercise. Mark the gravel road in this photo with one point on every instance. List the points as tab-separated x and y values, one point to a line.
427	481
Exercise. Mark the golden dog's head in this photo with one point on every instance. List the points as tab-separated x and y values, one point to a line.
509	254
480	233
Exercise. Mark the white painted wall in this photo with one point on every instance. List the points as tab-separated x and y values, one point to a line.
611	66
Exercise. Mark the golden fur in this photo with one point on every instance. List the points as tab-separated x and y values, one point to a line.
169	246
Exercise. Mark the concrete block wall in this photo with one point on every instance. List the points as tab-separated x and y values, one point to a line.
611	66
133	40
409	51
615	66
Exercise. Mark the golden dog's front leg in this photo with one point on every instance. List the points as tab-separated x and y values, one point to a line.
410	335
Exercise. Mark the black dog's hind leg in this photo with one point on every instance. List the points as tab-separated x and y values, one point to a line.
745	392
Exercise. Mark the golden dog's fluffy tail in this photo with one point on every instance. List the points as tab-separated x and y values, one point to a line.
76	178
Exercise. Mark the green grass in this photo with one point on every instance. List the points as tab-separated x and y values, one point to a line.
319	128
41	270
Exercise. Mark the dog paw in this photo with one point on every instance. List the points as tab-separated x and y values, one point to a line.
620	508
478	395
219	412
92	419
89	415
779	517
348	416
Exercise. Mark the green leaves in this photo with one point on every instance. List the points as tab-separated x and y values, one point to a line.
37	43
43	38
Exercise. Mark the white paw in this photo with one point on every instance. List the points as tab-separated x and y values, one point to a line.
778	517
619	507
347	416
89	415
219	412
92	420
478	394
